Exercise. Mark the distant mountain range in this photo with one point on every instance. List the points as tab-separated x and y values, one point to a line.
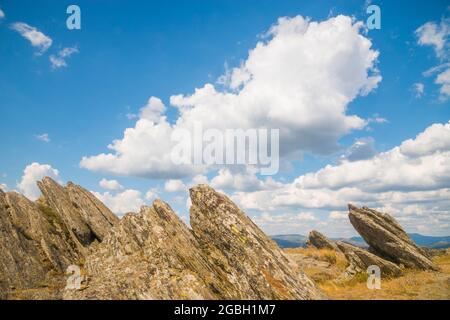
298	240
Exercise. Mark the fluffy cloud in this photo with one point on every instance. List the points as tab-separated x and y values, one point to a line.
153	110
31	175
435	138
300	78
59	60
3	187
411	181
152	193
37	39
437	35
174	185
338	215
110	184
122	202
286	223
242	181
2	14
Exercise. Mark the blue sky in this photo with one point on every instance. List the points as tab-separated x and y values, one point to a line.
127	52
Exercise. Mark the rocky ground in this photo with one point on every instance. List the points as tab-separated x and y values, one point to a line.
152	254
326	267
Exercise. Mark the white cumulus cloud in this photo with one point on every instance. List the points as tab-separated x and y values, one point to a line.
129	200
31	175
174	185
300	78
410	181
110	184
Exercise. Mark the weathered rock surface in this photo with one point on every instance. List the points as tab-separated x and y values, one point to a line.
33	252
39	240
319	241
387	238
150	255
360	259
154	255
252	261
85	217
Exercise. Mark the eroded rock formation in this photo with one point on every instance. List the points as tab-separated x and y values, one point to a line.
319	241
360	259
39	240
154	255
387	239
253	262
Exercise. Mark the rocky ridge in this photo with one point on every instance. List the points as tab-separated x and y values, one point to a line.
147	255
39	240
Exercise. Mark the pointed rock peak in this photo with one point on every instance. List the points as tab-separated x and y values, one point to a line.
151	255
320	241
203	194
86	218
258	268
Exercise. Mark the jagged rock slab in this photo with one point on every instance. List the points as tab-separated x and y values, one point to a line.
151	255
360	259
86	219
39	240
253	262
387	238
319	241
34	253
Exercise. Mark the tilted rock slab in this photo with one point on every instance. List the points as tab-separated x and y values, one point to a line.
39	240
86	218
154	255
319	241
34	253
252	261
361	259
151	255
387	238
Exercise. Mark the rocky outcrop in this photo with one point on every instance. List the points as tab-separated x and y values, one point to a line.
319	241
387	238
34	253
253	263
154	255
39	240
86	219
360	259
151	255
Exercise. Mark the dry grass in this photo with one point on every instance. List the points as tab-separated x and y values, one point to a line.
414	284
320	265
326	255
